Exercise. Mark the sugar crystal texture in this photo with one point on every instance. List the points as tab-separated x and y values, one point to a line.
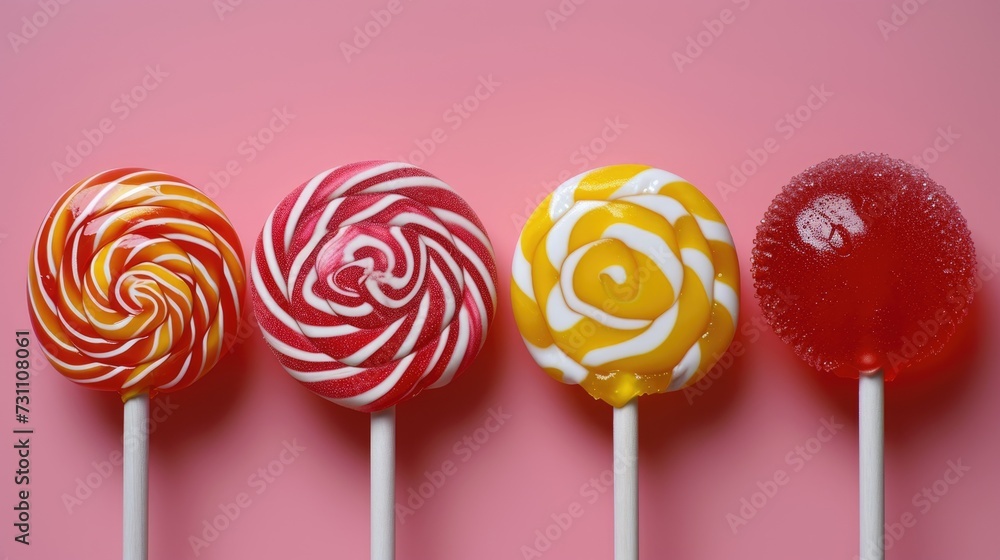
863	263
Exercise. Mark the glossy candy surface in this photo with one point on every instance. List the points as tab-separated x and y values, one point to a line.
626	281
863	263
373	281
135	283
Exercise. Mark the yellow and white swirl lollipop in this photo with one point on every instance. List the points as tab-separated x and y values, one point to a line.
626	281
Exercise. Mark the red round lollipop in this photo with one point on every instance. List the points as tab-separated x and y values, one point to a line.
864	263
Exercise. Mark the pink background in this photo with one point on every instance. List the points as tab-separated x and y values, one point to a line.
701	454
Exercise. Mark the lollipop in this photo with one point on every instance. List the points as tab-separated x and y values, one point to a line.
372	282
134	283
863	264
626	282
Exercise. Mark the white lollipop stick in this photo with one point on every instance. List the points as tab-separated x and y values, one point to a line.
135	511
383	466
626	467
871	405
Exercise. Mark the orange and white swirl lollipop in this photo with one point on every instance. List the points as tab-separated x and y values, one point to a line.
135	285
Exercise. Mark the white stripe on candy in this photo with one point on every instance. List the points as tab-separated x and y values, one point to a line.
374	281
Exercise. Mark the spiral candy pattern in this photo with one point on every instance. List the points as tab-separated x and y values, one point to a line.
135	283
626	281
373	281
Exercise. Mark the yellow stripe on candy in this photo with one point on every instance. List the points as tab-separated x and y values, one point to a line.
603	182
135	283
626	282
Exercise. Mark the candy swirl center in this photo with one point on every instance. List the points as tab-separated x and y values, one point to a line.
626	282
392	277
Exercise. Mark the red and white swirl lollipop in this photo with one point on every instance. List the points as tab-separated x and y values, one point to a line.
371	282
